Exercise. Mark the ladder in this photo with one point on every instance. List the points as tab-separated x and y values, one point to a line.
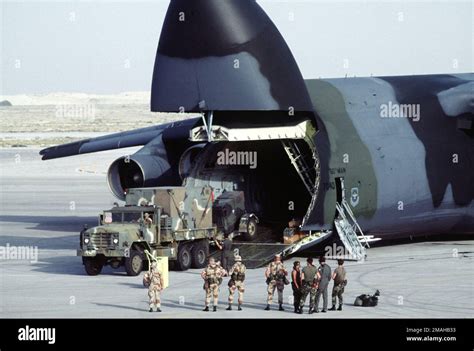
348	229
305	172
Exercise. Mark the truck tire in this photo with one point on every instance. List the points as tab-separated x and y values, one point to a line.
134	263
251	232
183	261
93	265
199	253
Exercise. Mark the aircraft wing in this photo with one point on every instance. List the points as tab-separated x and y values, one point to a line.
134	137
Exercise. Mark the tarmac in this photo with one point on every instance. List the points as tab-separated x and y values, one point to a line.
44	204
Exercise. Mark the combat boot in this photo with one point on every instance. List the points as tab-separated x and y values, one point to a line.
300	310
311	311
214	309
158	309
229	308
280	308
240	307
333	308
150	310
267	308
206	309
339	308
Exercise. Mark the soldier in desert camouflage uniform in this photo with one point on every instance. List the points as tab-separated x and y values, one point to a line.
154	280
236	282
276	276
212	276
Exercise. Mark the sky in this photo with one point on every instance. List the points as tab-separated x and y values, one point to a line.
108	47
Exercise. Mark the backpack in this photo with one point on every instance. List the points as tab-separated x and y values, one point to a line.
366	300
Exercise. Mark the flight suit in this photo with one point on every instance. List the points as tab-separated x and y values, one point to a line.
227	254
325	276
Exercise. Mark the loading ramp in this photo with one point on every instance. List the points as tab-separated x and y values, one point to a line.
256	255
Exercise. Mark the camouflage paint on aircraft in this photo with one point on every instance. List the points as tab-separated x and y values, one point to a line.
224	56
348	155
403	163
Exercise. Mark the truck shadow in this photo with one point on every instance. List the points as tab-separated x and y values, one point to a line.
52	223
72	265
67	242
66	265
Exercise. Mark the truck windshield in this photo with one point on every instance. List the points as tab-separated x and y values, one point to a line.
131	217
122	217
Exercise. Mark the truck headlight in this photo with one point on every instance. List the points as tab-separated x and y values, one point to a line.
114	240
86	241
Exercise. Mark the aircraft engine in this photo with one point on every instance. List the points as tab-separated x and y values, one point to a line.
137	171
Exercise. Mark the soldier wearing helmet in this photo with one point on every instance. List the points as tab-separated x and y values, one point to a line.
154	280
212	276
236	282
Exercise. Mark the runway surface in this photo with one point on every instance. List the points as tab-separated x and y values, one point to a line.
45	204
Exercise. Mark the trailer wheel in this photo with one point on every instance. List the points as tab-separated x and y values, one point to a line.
251	232
134	263
184	257
199	254
93	265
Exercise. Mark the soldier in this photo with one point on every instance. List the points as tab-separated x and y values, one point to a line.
154	280
339	277
309	285
296	285
212	276
323	277
147	219
227	254
276	277
236	282
145	226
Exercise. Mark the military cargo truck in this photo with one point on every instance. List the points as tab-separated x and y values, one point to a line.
176	222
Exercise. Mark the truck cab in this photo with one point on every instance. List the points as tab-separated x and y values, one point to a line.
167	221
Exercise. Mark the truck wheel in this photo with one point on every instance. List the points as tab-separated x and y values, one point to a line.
184	257
93	265
134	263
199	254
251	232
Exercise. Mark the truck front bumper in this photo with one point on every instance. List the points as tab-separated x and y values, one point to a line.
105	252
